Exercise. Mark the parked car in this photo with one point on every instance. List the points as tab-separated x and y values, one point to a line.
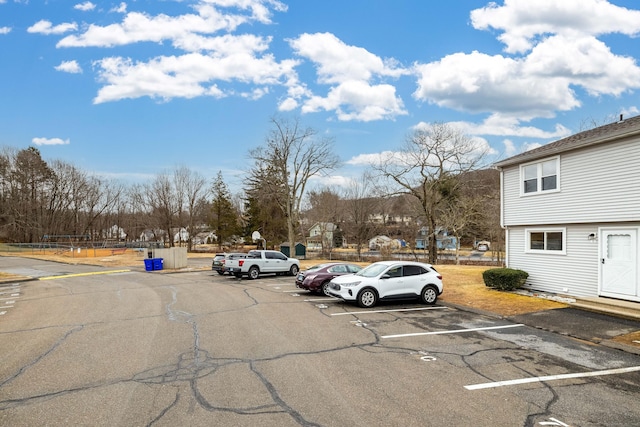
218	263
233	255
317	278
389	280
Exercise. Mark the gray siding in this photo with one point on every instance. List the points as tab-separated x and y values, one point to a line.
597	184
575	273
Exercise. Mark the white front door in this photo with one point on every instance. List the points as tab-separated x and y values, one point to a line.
619	259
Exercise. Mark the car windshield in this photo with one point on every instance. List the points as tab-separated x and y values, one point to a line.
372	270
316	267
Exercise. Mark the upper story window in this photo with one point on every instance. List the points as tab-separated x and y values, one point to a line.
541	176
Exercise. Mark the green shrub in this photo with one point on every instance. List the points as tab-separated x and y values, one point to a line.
504	279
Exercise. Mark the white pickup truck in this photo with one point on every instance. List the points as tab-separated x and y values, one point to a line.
260	262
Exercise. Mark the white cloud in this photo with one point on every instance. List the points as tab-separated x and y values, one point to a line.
522	22
121	8
69	67
353	73
480	83
139	27
45	27
531	146
499	125
357	100
583	61
85	7
372	158
50	141
509	148
186	76
5	30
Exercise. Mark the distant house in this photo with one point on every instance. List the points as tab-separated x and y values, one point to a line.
321	235
571	211
443	240
114	233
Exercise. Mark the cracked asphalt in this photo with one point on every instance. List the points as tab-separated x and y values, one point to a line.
142	349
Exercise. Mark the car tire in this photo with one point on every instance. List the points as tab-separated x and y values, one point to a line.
254	272
429	295
220	272
324	288
237	275
367	298
293	271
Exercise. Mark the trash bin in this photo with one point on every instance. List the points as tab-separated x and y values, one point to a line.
148	264
157	263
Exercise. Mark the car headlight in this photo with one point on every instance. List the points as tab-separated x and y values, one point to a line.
351	284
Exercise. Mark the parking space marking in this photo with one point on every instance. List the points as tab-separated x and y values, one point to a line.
7	299
7	306
321	299
552	378
455	331
388	311
64	276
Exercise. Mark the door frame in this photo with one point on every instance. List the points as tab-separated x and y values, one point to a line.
602	231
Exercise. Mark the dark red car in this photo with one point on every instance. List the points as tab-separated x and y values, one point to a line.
317	278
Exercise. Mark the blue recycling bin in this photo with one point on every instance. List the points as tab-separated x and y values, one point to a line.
158	263
148	264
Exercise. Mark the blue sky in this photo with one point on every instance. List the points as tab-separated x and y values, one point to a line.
128	90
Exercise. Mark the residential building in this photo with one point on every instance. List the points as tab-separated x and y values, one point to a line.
571	211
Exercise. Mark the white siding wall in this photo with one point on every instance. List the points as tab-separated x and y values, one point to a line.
577	271
597	184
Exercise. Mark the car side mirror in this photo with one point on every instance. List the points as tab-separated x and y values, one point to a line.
385	276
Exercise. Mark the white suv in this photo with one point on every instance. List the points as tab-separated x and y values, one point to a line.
389	280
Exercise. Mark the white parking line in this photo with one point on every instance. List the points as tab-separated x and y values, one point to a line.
320	299
7	306
6	299
552	378
456	331
388	311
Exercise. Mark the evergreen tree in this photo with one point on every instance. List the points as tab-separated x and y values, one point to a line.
224	216
262	210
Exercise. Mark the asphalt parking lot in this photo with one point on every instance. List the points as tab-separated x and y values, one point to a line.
199	349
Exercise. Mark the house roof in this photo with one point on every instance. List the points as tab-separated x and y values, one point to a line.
613	131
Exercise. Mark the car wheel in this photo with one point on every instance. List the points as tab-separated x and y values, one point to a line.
367	298
325	288
237	275
294	270
220	272
429	295
254	272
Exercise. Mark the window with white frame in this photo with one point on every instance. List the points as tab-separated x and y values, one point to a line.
540	176
551	240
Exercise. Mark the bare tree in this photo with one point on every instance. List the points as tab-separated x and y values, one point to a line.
427	167
358	206
296	154
191	190
324	211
